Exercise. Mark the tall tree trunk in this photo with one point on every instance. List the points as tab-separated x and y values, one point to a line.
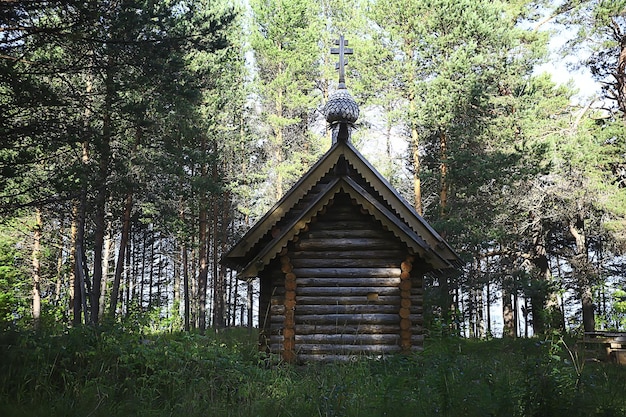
151	273
186	292
222	269
538	291
582	269
278	132
159	280
100	201
234	291
488	308
73	286
203	270
184	269
121	255
508	315
177	269
36	254
106	259
193	277
80	279
443	173
220	233
390	174
142	282
415	148
128	276
250	303
480	314
526	324
417	182
218	290
203	263
60	275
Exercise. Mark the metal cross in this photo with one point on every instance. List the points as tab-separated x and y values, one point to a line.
343	60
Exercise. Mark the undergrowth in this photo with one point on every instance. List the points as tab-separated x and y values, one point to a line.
109	372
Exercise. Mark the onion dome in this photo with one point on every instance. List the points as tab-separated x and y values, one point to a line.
341	107
341	110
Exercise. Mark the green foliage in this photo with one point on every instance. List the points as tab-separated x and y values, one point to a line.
14	275
284	39
108	372
11	275
614	315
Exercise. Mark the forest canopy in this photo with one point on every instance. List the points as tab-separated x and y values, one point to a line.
141	139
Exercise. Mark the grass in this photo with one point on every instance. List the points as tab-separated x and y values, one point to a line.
85	372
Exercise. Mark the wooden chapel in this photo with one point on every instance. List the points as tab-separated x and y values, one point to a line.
341	257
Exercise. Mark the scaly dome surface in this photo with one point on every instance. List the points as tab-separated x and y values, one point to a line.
341	107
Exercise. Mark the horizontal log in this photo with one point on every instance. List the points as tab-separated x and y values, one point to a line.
417	308
418	329
417	339
277	319
347	272
306	329
417	298
340	319
416	318
342	214
324	253
276	339
326	358
346	309
277	300
335	282
346	291
377	262
345	233
348	339
346	349
348	223
345	244
277	348
277	310
276	328
366	299
344	205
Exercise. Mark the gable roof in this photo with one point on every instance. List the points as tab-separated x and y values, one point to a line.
342	168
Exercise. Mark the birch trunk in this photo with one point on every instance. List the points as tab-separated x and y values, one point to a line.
36	288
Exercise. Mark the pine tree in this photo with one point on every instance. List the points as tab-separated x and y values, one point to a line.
286	50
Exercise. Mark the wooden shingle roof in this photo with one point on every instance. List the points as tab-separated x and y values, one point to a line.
341	169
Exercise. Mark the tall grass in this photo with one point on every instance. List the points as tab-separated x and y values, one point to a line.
109	372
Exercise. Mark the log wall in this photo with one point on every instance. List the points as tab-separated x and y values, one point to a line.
345	287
